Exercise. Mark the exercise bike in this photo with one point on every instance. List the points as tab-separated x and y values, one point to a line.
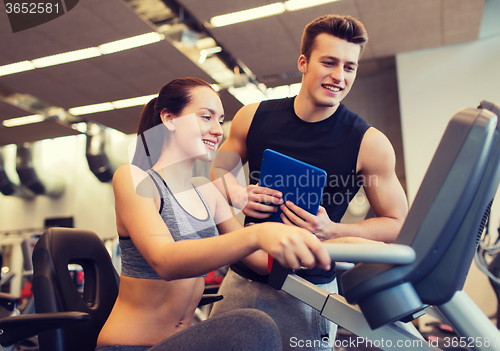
425	270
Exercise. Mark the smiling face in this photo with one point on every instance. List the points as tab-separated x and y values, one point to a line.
329	73
198	131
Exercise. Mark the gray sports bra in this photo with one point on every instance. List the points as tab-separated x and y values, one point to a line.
181	224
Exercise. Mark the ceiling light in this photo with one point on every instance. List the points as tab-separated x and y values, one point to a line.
130	43
84	110
107	106
214	50
16	68
210	51
20	121
248	15
203	56
137	101
293	5
264	11
83	54
66	57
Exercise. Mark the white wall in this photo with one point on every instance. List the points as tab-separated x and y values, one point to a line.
86	199
433	85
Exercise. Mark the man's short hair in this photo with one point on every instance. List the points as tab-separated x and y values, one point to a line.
343	27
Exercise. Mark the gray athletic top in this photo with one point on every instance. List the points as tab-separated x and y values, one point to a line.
181	224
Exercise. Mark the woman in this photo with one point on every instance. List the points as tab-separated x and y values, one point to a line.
160	208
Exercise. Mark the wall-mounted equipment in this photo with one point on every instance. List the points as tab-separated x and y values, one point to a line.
99	163
38	182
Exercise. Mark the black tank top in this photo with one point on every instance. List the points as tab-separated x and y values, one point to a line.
331	144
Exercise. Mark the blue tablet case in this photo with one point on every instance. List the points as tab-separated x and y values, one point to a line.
298	181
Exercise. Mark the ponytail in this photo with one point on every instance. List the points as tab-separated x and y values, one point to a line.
147	119
149	142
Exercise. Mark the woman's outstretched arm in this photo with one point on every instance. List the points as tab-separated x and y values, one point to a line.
137	217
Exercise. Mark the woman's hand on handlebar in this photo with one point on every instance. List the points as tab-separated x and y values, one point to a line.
292	246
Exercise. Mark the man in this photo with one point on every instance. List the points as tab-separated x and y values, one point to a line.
315	128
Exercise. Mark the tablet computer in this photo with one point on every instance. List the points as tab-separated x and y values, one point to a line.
299	182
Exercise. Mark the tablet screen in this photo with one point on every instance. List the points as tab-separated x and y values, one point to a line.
299	182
